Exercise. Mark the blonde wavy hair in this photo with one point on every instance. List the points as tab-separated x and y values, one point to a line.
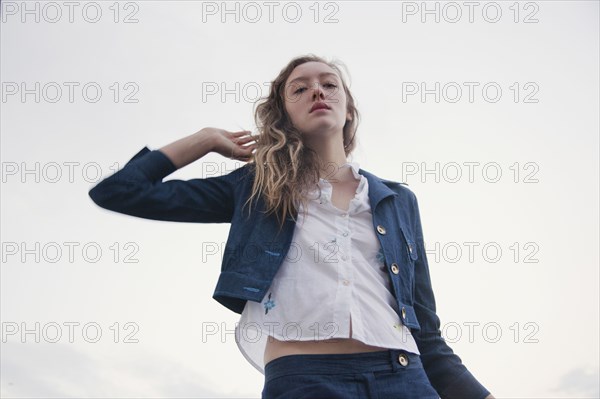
289	168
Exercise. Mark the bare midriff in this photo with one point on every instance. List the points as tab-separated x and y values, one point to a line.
276	348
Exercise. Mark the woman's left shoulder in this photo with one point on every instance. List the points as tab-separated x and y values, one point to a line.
401	188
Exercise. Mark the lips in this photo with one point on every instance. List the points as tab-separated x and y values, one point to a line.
319	105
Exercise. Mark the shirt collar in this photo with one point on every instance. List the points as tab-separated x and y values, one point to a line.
354	167
326	188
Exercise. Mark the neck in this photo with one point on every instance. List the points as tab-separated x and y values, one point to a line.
330	151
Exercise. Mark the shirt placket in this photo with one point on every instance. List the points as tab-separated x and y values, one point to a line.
345	281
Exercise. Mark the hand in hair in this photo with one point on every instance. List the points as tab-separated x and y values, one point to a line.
232	144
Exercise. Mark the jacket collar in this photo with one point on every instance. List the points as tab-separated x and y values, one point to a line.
378	188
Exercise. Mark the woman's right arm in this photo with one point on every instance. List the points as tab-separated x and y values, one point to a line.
137	189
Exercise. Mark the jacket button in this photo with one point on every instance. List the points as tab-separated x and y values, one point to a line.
403	359
403	313
395	268
410	248
380	229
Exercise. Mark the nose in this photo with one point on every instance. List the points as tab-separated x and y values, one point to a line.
317	89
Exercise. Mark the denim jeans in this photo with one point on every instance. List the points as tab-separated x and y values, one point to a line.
394	373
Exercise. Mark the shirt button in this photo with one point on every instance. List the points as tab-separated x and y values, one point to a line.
345	234
395	269
345	215
380	229
346	282
403	359
344	257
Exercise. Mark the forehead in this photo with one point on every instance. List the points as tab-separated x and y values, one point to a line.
311	69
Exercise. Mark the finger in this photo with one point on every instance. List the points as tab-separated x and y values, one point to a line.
247	152
245	140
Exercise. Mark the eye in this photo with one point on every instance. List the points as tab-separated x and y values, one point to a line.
304	88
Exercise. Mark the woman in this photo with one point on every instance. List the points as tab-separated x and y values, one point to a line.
328	269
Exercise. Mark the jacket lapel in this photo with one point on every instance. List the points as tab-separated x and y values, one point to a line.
378	188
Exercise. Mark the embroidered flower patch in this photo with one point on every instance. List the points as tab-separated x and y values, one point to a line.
269	304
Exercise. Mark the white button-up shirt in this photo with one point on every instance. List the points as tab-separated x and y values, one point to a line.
333	283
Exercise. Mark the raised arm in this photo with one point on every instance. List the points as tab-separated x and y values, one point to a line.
197	145
137	189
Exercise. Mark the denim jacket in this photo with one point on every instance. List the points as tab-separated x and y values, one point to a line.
256	248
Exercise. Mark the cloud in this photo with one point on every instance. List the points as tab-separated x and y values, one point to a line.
580	382
63	371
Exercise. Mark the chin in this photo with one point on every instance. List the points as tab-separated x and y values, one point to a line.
320	128
316	131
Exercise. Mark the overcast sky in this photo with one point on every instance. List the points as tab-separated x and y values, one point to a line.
490	116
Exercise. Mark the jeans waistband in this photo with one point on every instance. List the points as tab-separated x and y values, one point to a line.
341	363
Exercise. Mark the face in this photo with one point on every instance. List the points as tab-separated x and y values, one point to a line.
308	84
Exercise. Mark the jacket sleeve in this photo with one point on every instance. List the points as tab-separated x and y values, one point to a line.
137	189
450	378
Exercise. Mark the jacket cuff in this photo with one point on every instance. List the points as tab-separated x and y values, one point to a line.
465	386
